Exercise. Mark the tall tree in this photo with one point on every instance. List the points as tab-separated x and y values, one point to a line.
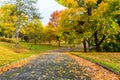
8	18
24	7
53	23
99	19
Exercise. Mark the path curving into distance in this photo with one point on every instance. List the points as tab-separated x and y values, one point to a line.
52	66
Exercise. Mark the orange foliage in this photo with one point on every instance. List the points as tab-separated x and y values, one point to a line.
54	19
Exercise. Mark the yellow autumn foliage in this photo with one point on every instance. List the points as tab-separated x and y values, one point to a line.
90	1
102	7
71	3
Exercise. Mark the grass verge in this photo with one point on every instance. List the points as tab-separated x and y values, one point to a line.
9	54
108	60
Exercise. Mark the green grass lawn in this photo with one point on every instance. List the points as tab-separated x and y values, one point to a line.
110	60
9	54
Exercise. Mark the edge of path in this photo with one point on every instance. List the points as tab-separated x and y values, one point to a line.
95	71
19	63
22	62
111	70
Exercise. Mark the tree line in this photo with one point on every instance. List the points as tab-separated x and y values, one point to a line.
93	23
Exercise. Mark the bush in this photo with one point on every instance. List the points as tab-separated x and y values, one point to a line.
8	40
111	47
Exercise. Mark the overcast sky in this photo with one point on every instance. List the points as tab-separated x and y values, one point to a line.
47	7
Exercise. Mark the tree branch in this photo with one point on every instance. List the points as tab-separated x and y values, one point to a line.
102	40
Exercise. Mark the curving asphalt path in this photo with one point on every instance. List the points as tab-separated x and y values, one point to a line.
51	66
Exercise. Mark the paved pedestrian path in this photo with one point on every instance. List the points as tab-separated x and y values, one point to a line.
51	66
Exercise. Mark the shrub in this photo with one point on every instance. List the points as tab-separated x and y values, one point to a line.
111	47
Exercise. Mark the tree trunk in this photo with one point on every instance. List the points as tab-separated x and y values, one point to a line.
98	48
17	38
18	26
88	41
35	40
84	44
28	39
59	43
97	45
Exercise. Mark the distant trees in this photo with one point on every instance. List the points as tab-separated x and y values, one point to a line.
32	31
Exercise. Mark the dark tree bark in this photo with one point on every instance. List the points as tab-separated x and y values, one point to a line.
84	44
102	40
35	39
97	43
97	46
